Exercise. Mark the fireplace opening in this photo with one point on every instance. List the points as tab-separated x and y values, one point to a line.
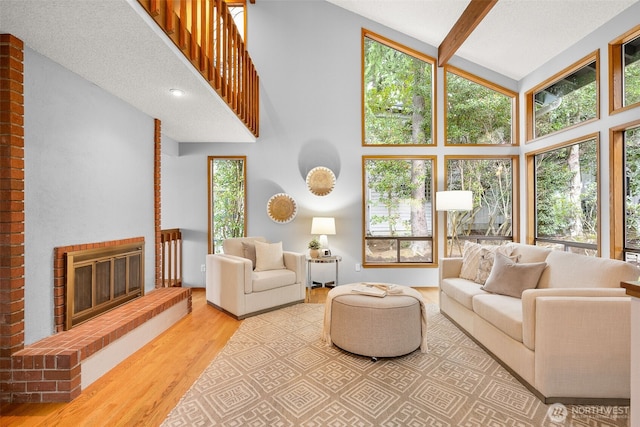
100	279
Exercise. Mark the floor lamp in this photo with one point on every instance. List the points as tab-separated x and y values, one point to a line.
452	202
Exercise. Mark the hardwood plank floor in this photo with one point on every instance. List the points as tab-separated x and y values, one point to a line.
144	388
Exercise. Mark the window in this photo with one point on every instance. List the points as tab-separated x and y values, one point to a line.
492	182
398	210
237	9
565	196
397	93
625	192
565	100
227	199
478	112
624	71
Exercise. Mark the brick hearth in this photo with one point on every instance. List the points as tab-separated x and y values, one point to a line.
50	370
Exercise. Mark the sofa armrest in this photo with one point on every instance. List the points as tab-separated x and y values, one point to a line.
530	296
297	263
583	346
450	267
228	278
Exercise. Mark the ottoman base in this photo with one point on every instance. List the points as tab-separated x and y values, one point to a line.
376	327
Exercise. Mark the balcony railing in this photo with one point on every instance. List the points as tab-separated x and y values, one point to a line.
206	34
171	256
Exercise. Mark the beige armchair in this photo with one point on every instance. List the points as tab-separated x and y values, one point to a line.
253	276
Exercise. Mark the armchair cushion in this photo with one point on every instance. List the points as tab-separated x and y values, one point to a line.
249	252
269	256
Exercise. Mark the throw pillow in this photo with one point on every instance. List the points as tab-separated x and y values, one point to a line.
269	256
510	278
249	252
471	257
486	264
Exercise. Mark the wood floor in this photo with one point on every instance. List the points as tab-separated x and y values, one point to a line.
143	389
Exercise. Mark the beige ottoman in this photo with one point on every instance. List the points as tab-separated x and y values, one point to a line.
373	326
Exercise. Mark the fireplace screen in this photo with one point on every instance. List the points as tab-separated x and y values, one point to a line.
101	279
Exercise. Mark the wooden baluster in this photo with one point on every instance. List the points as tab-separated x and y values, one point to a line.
182	25
168	24
154	7
218	49
194	31
203	34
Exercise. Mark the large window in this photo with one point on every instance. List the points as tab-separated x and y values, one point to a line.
624	71
565	197
565	100
625	191
397	93
478	112
227	199
492	180
398	210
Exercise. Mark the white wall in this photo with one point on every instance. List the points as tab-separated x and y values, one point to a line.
308	56
88	177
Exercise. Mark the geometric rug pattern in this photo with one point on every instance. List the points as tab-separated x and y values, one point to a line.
276	371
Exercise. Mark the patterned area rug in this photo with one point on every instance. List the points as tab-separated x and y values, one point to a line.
276	371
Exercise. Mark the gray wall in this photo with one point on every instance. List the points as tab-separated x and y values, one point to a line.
308	56
88	177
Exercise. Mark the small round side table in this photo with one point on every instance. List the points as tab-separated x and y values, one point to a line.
322	260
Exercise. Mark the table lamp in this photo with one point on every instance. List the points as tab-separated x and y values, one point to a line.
323	226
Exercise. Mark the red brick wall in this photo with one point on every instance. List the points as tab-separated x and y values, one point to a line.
157	159
11	205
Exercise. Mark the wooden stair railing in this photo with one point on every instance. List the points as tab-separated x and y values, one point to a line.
206	34
171	255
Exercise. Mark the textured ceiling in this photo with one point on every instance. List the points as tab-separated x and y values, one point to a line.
115	45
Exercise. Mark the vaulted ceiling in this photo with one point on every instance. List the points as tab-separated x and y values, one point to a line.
116	46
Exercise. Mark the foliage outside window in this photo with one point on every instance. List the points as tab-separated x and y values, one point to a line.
397	93
491	180
565	100
398	210
632	188
624	71
227	200
565	199
478	112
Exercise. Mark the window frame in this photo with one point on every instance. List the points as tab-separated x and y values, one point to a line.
617	189
515	107
434	222
515	194
531	236
365	33
616	72
210	231
530	96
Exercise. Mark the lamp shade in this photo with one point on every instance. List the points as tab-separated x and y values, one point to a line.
323	225
456	200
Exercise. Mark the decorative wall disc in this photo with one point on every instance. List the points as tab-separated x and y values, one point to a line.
321	181
282	208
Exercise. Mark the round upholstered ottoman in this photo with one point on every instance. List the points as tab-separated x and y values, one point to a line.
373	326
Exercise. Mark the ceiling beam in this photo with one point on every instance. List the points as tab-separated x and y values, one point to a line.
468	21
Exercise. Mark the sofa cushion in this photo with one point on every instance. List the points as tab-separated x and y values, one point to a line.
271	279
461	290
269	256
249	252
569	270
471	257
487	258
503	312
530	253
233	246
511	278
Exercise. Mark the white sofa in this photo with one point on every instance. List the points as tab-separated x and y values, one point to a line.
236	284
567	340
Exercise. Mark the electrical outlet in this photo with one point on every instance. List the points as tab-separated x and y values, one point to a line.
203	268
358	266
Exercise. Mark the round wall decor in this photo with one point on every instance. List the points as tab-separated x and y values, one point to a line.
282	208
321	181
